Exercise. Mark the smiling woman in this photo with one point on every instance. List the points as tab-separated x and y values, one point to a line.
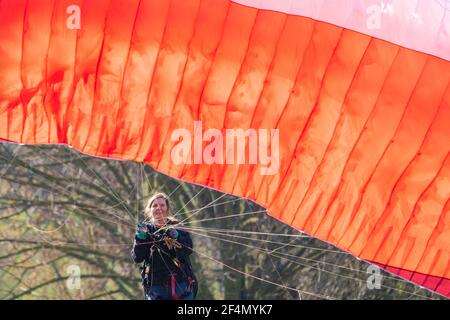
164	250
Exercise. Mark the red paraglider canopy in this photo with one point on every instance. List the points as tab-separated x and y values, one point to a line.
351	105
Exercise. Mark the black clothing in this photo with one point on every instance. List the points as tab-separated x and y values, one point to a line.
162	263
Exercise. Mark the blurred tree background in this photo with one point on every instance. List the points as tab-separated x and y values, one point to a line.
63	212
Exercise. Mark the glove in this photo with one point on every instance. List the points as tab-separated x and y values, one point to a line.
141	232
172	233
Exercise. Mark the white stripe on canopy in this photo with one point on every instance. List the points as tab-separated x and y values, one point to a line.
422	25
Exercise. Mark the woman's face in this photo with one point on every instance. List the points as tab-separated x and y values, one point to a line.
158	211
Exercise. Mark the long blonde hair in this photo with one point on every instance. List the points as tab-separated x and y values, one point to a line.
160	195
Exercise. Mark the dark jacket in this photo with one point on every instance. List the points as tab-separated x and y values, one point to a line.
162	262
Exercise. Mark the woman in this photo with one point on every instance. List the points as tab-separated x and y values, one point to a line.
167	272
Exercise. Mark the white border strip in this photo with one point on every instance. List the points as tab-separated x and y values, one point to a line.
422	25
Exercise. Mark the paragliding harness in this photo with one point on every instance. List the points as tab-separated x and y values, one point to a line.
185	274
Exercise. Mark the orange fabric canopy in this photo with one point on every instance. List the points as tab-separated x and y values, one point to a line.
364	133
